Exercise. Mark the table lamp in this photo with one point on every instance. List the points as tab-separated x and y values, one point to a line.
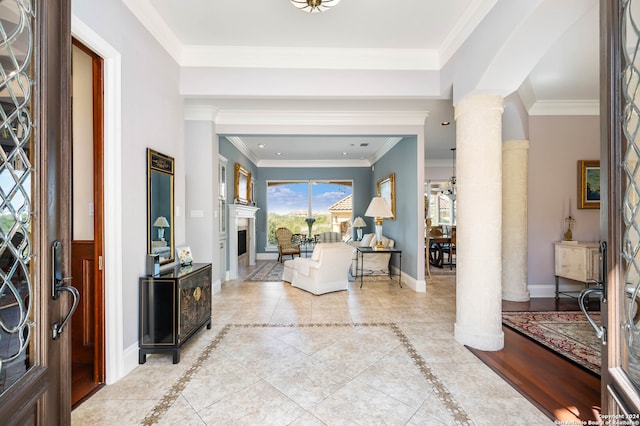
379	208
161	222
359	223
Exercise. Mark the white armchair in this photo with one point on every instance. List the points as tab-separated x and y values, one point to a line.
373	264
327	270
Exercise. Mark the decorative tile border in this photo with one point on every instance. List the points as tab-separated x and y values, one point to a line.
457	412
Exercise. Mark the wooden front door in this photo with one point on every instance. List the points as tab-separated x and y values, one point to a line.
620	210
34	209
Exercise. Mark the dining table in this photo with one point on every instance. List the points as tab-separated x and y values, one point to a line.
436	244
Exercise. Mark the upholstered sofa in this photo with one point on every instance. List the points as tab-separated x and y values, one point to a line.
327	269
373	264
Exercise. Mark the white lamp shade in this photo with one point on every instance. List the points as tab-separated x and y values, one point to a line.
359	223
378	208
162	222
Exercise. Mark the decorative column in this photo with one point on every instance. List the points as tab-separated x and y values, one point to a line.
479	222
515	168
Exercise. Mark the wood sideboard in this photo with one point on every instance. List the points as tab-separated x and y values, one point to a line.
173	307
578	261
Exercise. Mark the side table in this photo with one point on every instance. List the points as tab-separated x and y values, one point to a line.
370	250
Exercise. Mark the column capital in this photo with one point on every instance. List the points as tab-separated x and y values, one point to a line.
488	101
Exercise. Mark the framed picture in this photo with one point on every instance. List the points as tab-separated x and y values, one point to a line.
184	255
243	185
589	184
387	190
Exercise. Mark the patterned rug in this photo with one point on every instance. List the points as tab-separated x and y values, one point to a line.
272	271
267	271
566	333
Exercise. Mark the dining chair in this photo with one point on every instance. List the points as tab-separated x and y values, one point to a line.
450	249
427	248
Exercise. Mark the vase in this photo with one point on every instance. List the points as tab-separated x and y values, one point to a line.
310	227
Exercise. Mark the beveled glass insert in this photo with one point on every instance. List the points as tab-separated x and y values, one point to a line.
16	176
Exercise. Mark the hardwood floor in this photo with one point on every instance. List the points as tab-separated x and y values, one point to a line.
559	388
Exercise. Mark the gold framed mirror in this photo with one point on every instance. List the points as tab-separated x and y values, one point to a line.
160	220
243	185
387	190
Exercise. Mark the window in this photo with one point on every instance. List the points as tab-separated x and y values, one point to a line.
442	208
289	203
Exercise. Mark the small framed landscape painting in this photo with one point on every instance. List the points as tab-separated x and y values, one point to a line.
589	184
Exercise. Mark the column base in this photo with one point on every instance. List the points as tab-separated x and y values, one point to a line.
483	342
517	297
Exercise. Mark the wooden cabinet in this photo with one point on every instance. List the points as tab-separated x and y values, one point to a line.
578	261
173	307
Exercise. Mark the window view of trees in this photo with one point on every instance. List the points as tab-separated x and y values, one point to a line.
290	203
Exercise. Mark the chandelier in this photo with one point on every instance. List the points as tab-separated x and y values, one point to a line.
451	190
313	6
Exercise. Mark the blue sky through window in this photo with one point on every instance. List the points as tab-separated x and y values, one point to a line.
288	197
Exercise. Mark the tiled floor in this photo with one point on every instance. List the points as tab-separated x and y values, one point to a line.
277	355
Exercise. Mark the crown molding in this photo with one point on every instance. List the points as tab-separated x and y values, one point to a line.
320	118
565	108
200	113
237	142
242	147
470	19
309	58
390	143
313	163
153	22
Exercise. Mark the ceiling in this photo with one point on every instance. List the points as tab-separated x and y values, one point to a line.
420	35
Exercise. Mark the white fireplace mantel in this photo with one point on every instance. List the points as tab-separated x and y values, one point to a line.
240	211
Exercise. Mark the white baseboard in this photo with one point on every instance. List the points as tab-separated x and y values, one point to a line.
409	281
130	357
216	287
549	290
267	256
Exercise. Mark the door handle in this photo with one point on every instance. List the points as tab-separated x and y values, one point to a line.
600	331
58	286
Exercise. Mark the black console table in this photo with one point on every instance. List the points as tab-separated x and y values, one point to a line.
173	307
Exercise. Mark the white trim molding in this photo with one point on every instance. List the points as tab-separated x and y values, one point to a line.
115	358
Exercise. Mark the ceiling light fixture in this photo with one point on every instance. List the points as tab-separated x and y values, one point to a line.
451	190
314	6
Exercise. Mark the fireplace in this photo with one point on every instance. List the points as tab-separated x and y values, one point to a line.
241	218
242	242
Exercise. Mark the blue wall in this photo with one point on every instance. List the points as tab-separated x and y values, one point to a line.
361	177
402	161
233	156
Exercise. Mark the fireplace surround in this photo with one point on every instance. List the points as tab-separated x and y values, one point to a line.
240	217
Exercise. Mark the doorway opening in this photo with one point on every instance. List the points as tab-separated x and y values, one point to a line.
87	223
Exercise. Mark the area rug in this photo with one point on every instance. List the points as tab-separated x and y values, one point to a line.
266	271
566	333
